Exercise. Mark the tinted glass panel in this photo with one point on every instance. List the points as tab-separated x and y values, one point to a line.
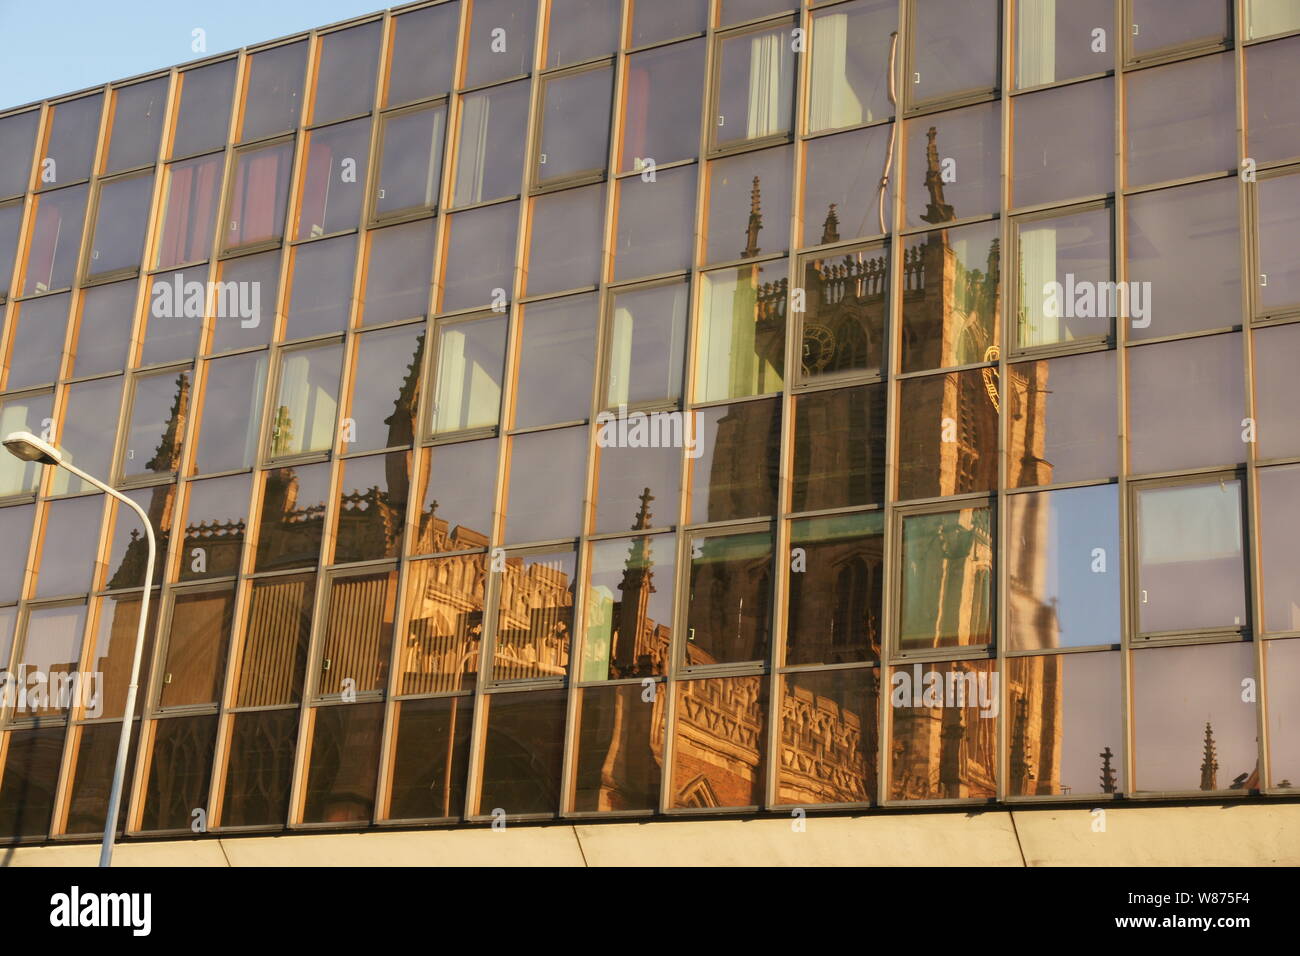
307	404
1278	206
345	72
1277	391
951	297
274	652
557	361
501	37
37	331
581	29
28	413
259	196
747	193
1159	25
839	448
358	633
459	485
699	778
259	773
662	106
344	765
836	585
741	329
1273	127
954	48
399	272
619	750
947	440
575	125
1180	120
565	240
490	159
629	616
159	409
320	292
196	647
1279	531
628	472
17	144
467	373
136	125
431	758
654	20
57	220
755	86
334	179
410	173
180	772
372	507
103	334
118	240
535	616
423	53
836	762
845	311
656	224
1062	420
952	165
647	344
385	389
842	198
736	453
1065	269
71	134
189	214
1055	41
250	286
1063	143
947	594
955	703
204	118
479	267
444	630
51	646
89	431
523	752
216	519
547	477
232	412
293	511
273	91
729	610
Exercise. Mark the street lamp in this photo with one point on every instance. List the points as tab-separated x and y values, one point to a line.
28	447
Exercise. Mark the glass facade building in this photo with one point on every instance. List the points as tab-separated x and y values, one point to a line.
615	408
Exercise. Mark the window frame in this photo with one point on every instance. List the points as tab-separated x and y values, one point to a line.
266	457
236	153
713	79
163	641
373	218
536	158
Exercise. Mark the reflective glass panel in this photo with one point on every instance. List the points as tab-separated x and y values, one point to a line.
735	451
741	327
547	479
628	627
306	406
431	758
656	224
947	593
1063	143
557	358
712	716
951	297
661	118
444	629
334	179
944	731
839	448
620	750
829	730
467	374
729	604
948	436
534	619
836	586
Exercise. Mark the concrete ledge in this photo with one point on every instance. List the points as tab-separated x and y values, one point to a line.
1252	834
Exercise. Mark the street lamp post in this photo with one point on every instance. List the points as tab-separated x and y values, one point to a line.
28	447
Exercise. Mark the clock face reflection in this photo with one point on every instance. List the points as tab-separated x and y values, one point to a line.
818	347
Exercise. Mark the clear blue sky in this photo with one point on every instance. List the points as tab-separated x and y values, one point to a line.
59	46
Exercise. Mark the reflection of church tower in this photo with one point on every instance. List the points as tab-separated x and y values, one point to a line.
1210	762
628	656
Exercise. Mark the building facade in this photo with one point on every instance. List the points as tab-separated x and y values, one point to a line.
612	408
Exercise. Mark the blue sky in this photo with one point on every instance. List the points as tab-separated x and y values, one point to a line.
57	47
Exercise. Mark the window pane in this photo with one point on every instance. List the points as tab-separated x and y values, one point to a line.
581	29
344	767
954	48
654	20
1161	25
385	389
128	546
251	285
501	36
52	648
1062	422
948	438
575	125
491	153
535	616
741	349
137	121
216	518
700	779
1266	17
17	144
1283	659
628	472
557	361
118	240
1186	403
180	772
1068	738
836	589
839	448
1273	127
662	107
37	331
851	55
423	54
747	192
1278	218
71	134
358	633
372	507
410	172
293	509
63	564
430	758
656	224
334	179
947	594
96	762
89	433
620	750
345	72
273	94
260	769
1279	531
1064	143
842	199
830	718
307	403
173	318
479	265
1277	391
159	408
951	299
196	647
845	312
119	623
11	219
736	455
565	240
755	86
232	413
548	473
1179	120
444	630
468	373
459	495
274	652
629	621
16	530
965	143
1065	265
103	335
259	196
399	272
31	775
729	609
1190	565
320	296
647	341
523	752
1063	556
205	96
1192	730
190	211
28	413
942	750
1055	41
57	219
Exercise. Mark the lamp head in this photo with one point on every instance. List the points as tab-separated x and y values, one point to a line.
28	447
